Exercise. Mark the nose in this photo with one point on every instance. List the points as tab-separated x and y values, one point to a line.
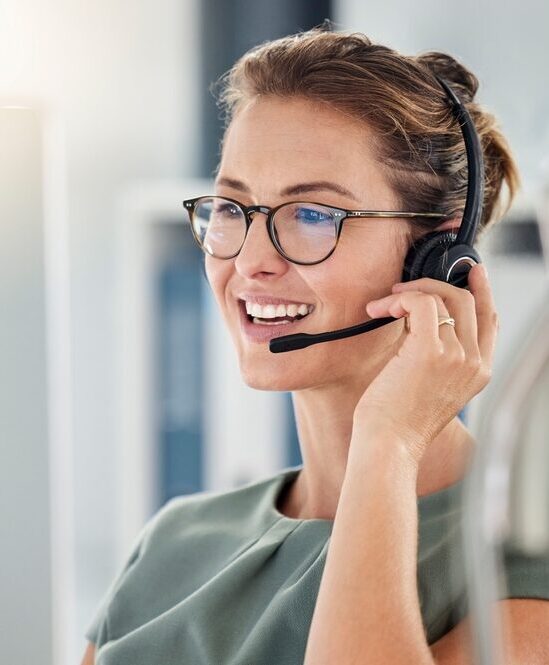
258	256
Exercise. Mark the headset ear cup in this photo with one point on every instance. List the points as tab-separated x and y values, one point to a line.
423	258
457	263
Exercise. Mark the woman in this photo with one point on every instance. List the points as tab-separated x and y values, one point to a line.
353	558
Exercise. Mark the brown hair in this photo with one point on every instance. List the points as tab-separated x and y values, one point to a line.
419	141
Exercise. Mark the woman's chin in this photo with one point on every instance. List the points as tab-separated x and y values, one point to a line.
278	381
273	373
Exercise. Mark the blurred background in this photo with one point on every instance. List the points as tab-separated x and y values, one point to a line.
119	388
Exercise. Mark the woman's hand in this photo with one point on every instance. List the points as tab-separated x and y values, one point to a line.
437	369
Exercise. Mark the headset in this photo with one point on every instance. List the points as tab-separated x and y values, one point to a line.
441	255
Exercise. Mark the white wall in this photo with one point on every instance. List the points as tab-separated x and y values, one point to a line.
25	516
113	73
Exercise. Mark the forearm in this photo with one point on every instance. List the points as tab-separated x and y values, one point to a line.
367	611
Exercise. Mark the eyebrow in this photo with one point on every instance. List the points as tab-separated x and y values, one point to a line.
301	188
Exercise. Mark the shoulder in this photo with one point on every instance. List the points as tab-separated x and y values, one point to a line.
184	543
213	512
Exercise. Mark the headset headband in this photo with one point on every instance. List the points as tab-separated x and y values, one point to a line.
475	170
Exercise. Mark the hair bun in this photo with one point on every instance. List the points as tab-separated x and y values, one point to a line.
453	72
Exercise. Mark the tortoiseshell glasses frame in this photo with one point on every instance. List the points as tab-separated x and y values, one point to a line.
339	215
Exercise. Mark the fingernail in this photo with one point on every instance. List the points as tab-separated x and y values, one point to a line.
484	269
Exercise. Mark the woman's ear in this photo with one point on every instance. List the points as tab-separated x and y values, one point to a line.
450	225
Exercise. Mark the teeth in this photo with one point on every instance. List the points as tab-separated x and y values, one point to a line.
272	311
291	310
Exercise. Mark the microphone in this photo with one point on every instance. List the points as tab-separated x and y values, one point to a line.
303	340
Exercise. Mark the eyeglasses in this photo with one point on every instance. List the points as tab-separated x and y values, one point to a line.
305	233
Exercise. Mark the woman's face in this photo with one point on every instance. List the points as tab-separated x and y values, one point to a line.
274	151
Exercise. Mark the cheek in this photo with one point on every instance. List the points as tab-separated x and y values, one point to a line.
360	272
336	291
375	258
217	274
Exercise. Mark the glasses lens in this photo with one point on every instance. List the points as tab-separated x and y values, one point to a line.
306	232
219	225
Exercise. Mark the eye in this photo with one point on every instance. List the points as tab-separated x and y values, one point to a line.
226	209
312	215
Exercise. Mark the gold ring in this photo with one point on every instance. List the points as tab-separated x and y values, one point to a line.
441	320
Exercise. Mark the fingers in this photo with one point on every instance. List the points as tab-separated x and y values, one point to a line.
459	302
422	310
487	317
474	312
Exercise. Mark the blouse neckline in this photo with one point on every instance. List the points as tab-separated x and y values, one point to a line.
428	504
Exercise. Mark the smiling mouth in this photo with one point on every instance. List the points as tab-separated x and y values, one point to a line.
274	315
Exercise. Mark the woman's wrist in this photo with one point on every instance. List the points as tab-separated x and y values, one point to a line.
376	448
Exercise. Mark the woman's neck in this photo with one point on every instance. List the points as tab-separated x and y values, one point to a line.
324	423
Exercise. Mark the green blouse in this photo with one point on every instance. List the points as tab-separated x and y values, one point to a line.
223	578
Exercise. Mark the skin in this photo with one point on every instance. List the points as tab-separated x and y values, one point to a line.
273	144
